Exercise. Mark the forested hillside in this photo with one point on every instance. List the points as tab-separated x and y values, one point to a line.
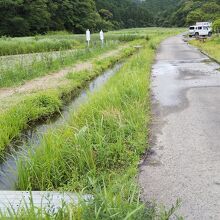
125	13
162	10
192	11
25	17
139	13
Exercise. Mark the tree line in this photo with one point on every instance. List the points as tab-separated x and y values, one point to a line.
27	17
192	11
30	17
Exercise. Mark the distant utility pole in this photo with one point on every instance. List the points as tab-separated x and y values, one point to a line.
88	36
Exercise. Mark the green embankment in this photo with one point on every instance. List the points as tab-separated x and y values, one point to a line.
210	47
44	104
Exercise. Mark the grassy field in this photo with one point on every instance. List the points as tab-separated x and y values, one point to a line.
12	46
211	47
54	42
15	70
24	70
98	150
66	41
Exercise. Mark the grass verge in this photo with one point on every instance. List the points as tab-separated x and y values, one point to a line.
210	47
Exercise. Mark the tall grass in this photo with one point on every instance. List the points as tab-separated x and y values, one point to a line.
99	145
18	117
64	41
106	135
10	46
53	42
43	104
47	63
211	47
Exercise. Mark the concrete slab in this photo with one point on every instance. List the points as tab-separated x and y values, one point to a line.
49	201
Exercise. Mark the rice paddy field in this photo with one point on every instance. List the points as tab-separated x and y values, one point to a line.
97	148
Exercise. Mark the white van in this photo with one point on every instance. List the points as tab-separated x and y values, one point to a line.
201	29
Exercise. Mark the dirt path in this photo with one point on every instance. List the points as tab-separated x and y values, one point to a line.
54	79
184	162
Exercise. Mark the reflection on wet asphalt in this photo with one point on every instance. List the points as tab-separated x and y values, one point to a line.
185	132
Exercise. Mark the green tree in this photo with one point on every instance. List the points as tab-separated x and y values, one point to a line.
23	17
73	15
28	17
211	8
191	11
127	13
195	16
10	20
36	14
106	14
216	26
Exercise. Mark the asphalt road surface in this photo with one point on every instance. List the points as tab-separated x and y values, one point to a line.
184	162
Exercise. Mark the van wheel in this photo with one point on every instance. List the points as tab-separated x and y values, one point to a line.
210	34
196	34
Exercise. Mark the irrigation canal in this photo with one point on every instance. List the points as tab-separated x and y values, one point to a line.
29	141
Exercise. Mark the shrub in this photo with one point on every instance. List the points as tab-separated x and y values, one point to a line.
216	26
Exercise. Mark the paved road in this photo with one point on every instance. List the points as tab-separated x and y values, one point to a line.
184	161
